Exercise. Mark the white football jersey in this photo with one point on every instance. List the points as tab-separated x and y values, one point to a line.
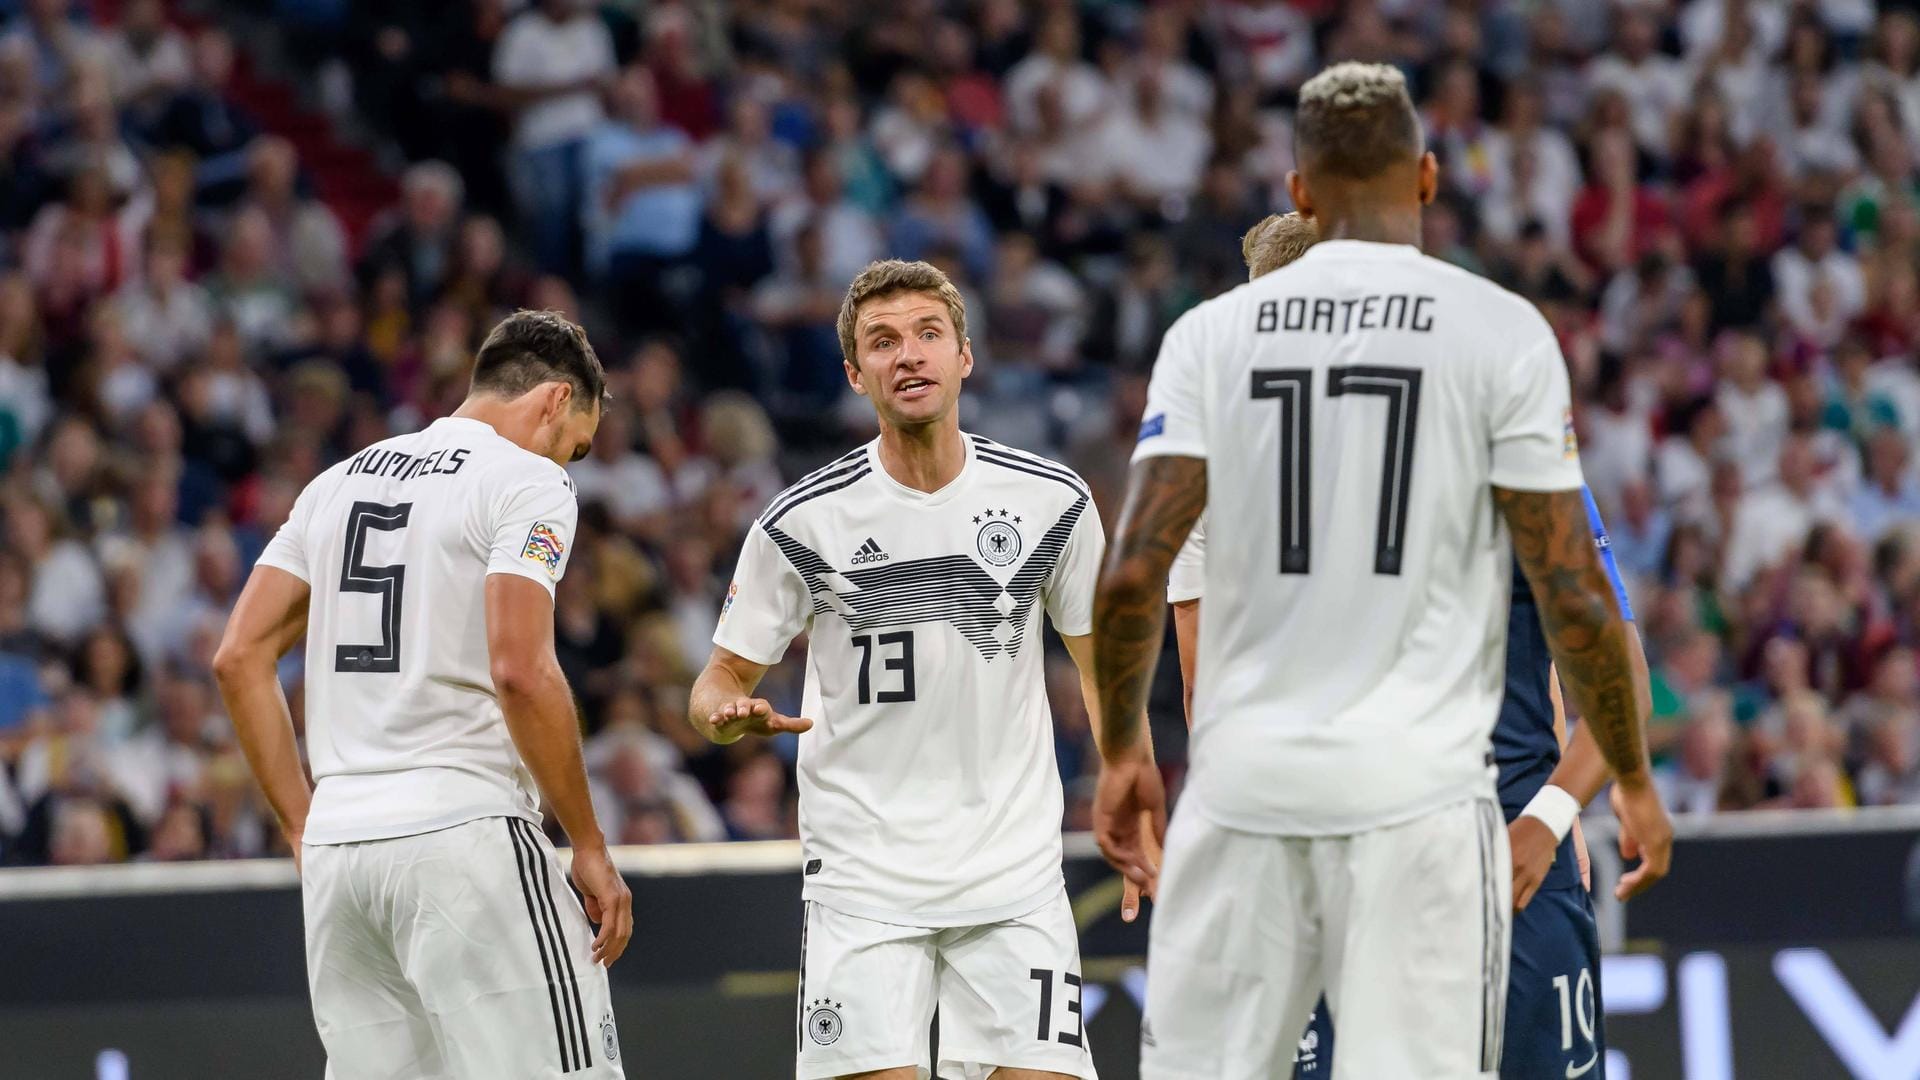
1187	577
404	732
1355	409
928	790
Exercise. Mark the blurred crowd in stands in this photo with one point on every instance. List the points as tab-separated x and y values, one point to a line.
1716	203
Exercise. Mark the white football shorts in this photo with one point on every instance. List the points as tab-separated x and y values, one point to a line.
460	954
1008	994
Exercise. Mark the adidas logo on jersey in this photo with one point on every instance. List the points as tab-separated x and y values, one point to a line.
869	553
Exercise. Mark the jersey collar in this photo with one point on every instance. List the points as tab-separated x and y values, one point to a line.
912	497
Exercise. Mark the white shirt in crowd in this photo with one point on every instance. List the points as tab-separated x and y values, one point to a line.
536	52
1294	388
404	732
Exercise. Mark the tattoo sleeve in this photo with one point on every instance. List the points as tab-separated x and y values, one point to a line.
1585	633
1165	496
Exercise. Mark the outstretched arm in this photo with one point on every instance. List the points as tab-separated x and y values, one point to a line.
269	617
1588	638
723	707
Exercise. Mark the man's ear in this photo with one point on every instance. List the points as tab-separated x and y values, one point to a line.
1302	198
853	377
966	357
1429	178
559	398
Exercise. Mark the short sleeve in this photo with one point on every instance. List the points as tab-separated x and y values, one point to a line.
1531	413
1172	425
1604	544
532	531
767	604
1070	589
288	548
1186	580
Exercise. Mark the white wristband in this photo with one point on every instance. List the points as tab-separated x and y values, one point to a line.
1554	807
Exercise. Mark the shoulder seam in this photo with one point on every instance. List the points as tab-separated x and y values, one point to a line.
776	512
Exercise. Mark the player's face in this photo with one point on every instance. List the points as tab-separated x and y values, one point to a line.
570	431
911	361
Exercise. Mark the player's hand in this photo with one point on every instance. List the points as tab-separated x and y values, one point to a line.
1130	816
1646	833
609	903
1129	891
1533	850
752	716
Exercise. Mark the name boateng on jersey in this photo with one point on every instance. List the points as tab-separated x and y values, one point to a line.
929	795
403	729
1354	410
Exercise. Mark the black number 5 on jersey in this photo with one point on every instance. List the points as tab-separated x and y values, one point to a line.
387	582
1293	388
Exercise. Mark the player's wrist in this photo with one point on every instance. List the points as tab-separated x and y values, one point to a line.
1556	808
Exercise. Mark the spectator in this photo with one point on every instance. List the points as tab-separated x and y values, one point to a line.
67	594
310	247
249	288
642	210
799	306
1890	498
550	61
755	806
1773	520
848	236
60	45
1737	280
1820	288
1655	86
418	241
1616	220
1155	154
1754	406
202	119
147	59
166	317
1692	783
941	212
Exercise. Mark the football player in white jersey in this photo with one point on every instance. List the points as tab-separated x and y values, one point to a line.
442	940
930	805
1377	430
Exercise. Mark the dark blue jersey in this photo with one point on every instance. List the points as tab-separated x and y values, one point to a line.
1524	747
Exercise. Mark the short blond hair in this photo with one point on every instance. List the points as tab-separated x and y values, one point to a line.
890	277
1276	241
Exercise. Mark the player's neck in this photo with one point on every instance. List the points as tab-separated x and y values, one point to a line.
1376	224
926	457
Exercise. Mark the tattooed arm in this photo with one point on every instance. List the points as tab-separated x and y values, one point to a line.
1589	641
1165	496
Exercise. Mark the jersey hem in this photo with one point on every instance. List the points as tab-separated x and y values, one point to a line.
1290	826
530	573
330	837
1167	449
747	652
267	559
937	920
1540	483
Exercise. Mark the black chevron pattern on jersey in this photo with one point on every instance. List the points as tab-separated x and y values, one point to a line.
945	588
